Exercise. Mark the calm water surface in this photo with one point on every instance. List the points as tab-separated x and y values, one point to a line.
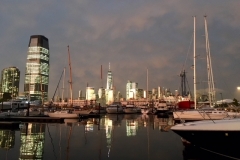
112	137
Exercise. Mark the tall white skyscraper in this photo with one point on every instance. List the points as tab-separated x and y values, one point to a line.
109	79
109	89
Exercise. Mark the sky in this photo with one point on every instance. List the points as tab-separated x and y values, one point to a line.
133	36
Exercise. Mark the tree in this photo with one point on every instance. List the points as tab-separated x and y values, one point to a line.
235	102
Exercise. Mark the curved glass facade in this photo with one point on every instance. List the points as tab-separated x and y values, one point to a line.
37	68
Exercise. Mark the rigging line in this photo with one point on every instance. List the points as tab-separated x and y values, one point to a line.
51	142
219	153
187	53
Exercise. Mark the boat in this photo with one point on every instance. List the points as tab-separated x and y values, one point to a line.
14	104
115	107
130	108
161	107
200	114
99	110
224	132
63	114
208	112
83	111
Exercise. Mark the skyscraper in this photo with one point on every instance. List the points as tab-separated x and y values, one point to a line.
131	90
109	79
37	68
10	81
109	89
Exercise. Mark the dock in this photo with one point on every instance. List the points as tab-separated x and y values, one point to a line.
34	119
9	125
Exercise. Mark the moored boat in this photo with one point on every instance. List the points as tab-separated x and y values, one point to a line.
115	107
63	114
212	133
200	114
131	109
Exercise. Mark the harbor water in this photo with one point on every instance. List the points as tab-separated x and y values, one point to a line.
112	137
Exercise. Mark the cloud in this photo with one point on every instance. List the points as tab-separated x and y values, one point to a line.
131	35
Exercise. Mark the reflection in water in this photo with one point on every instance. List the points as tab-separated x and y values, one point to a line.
7	139
32	141
106	136
131	127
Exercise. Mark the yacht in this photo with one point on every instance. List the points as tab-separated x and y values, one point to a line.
200	114
161	107
130	108
208	133
115	107
63	114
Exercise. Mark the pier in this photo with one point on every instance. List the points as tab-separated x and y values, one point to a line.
31	119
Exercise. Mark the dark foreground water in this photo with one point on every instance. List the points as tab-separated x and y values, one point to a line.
111	137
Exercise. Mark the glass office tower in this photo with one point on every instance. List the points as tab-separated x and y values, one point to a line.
37	69
10	79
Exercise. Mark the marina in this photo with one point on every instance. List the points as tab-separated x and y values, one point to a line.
141	80
109	136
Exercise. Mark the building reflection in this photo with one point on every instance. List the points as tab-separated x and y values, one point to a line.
7	139
32	141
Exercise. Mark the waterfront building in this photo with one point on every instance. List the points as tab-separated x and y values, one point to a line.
154	93
131	90
109	96
90	94
101	96
10	79
37	68
140	94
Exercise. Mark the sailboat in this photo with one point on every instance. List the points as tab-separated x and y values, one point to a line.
204	113
146	109
66	113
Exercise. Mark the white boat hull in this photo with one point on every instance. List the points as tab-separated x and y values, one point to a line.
60	114
199	115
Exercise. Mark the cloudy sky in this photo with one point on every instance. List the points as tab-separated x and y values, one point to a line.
133	35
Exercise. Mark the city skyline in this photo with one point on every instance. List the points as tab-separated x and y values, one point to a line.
133	36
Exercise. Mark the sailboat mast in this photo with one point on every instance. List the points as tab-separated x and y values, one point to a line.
194	63
70	69
211	89
147	87
101	78
63	84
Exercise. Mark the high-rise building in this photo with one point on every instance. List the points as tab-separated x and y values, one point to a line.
109	79
37	68
131	90
90	93
10	81
109	92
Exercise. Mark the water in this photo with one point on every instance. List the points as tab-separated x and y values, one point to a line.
112	137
